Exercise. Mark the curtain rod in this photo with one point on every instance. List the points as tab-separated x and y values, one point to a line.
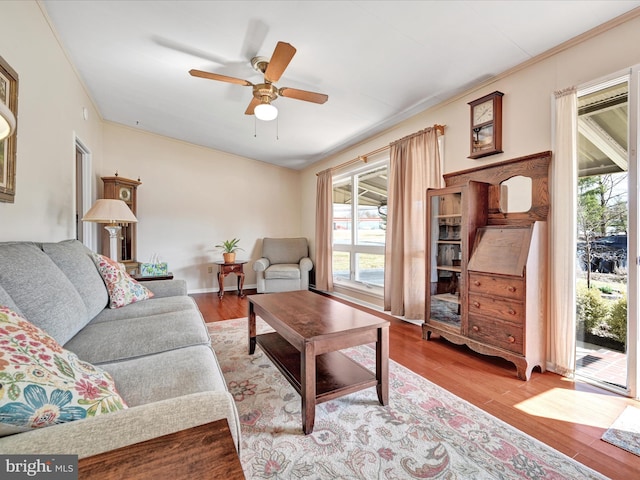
364	158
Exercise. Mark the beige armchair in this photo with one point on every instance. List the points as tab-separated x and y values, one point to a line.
284	266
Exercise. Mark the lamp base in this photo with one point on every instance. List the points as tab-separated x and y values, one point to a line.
114	235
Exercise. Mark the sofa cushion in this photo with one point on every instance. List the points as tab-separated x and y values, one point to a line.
284	250
7	301
168	374
41	291
43	384
282	270
122	289
154	306
176	287
73	258
139	336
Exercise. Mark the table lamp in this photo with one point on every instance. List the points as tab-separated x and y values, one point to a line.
113	213
7	121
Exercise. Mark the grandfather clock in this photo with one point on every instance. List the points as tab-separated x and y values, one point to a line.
126	190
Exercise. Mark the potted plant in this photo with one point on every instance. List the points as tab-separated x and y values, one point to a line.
229	249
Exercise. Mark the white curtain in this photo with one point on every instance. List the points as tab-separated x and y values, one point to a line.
324	222
561	333
414	166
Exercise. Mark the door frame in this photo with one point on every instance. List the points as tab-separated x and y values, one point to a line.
633	294
89	237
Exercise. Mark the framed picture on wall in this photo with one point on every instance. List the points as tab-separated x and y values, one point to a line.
8	96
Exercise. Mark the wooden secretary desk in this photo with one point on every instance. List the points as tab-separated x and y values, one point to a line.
126	190
486	263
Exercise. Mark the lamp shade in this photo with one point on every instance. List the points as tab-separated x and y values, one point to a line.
7	121
109	211
265	112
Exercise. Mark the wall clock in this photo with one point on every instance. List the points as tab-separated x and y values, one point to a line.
486	125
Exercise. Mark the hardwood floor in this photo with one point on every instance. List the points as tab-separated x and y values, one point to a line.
569	416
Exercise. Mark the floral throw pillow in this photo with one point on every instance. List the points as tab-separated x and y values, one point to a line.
122	289
42	384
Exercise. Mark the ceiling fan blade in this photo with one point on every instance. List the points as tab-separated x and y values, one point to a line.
280	59
303	95
222	78
254	103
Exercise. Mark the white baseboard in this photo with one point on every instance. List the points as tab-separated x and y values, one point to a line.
216	290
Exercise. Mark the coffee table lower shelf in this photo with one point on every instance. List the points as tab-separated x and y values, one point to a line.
336	374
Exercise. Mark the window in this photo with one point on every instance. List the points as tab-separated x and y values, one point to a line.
359	225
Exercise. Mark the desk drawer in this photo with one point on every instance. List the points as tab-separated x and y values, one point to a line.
232	268
502	308
497	333
509	287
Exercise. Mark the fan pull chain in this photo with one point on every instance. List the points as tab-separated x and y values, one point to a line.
255	128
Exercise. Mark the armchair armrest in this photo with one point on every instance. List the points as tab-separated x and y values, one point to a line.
261	265
306	264
118	429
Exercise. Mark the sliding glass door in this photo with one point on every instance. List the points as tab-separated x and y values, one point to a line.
606	286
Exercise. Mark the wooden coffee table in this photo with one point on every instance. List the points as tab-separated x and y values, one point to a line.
309	329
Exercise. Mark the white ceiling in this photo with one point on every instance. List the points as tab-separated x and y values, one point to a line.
379	61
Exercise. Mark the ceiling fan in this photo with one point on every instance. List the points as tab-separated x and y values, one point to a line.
266	92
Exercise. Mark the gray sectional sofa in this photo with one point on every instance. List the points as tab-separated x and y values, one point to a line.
158	350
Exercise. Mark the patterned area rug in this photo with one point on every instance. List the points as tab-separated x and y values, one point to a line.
425	432
625	431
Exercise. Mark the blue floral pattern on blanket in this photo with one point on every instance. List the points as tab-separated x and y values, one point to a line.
43	384
40	411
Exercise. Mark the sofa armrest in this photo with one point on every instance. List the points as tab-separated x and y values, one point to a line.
167	288
306	264
118	429
261	265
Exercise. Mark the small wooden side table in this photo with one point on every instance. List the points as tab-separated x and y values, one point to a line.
225	269
204	452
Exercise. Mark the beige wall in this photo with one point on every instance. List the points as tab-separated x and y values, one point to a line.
50	116
527	103
193	198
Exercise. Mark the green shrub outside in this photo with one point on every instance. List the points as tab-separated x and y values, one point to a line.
605	289
618	319
598	315
590	307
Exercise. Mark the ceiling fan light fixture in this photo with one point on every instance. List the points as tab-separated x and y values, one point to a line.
265	112
266	92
